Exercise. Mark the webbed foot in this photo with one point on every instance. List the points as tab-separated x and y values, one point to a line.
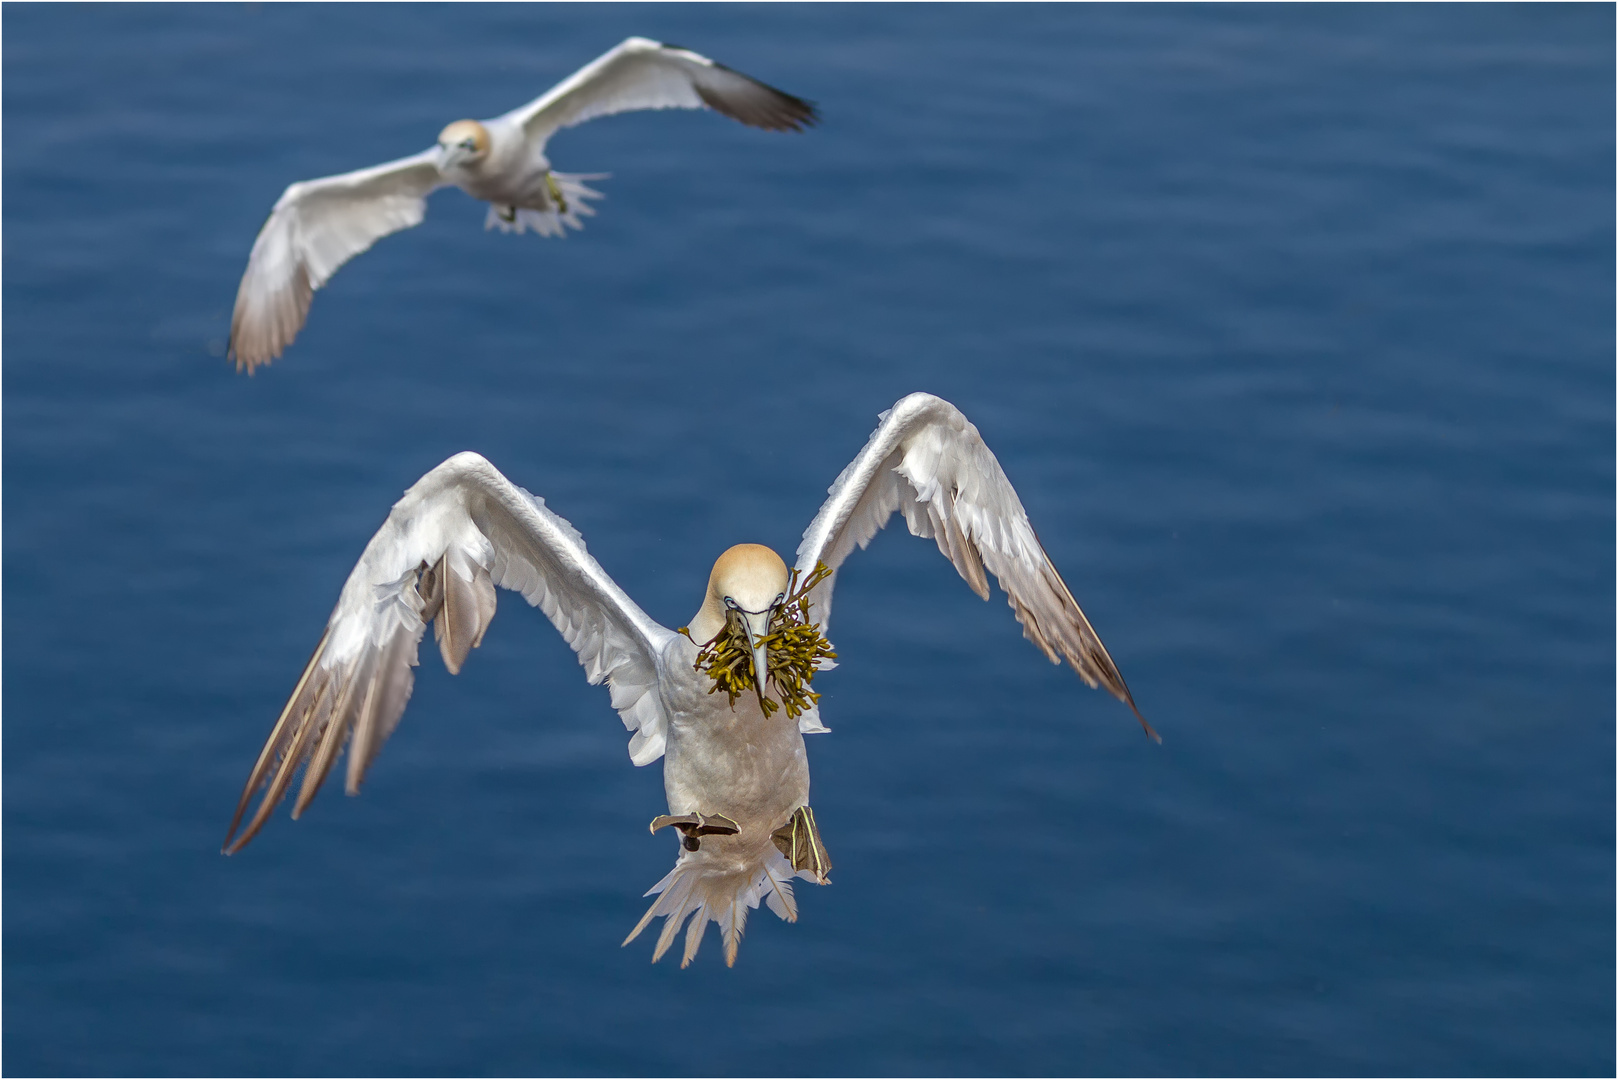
695	826
799	841
556	193
507	213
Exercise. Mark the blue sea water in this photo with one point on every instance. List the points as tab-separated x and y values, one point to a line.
1294	328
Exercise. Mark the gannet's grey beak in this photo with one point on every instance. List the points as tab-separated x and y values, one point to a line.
450	156
758	627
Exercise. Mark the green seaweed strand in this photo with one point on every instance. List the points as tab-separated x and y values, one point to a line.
793	650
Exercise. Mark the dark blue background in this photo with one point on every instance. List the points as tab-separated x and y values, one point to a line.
1293	326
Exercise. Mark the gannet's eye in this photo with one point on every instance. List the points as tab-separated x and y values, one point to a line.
731	604
469	144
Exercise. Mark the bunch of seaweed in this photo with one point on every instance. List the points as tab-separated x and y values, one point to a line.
793	649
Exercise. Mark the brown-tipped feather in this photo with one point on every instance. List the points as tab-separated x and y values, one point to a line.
252	346
467	609
388	688
430	587
964	554
359	749
283	776
456	627
266	755
488	602
1097	655
331	744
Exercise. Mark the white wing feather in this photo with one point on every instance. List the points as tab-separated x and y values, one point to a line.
315	227
458	533
928	462
644	74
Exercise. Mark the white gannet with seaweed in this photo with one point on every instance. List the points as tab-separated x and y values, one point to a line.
318	225
734	765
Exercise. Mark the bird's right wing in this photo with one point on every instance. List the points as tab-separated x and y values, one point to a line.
927	461
645	74
459	532
315	227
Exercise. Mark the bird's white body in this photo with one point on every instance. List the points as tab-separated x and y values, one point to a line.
512	173
728	759
739	763
515	178
318	225
463	530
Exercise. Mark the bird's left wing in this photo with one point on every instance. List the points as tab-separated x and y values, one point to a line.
928	462
315	227
645	74
459	532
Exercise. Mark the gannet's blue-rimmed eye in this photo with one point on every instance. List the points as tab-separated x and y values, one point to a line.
731	604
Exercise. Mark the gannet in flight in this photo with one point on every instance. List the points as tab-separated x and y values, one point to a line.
734	768
318	225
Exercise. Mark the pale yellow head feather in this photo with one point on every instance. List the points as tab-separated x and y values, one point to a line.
750	574
463	130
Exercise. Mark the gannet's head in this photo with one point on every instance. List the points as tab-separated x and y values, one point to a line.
465	142
751	580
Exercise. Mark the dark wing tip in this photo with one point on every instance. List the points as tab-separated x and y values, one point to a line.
1151	731
760	105
227	848
1114	682
1105	671
230	847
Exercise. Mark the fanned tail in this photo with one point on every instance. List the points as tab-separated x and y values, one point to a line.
551	222
705	893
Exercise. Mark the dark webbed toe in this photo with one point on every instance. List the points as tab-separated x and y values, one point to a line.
695	826
799	841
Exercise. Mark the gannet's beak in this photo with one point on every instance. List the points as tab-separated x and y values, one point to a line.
451	156
758	628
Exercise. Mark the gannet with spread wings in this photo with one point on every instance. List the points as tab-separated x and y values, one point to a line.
734	766
318	225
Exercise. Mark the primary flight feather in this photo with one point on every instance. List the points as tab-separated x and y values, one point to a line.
318	225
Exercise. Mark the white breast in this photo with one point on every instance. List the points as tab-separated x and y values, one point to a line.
730	760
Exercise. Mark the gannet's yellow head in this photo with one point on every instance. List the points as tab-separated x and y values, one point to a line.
749	579
465	142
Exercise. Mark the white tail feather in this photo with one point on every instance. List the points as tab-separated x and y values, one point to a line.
550	222
699	890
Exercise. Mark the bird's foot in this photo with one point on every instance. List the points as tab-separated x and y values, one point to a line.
507	213
799	841
556	193
696	826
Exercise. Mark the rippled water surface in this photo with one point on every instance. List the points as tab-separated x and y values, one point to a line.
1294	328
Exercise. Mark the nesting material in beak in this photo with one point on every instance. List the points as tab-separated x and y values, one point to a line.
788	651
